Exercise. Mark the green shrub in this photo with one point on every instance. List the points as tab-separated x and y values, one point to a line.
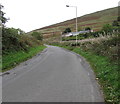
13	41
107	48
10	40
107	28
37	35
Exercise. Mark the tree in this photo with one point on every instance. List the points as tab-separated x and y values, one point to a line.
67	30
2	18
10	39
87	28
20	32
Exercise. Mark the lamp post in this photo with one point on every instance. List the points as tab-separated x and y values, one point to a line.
76	20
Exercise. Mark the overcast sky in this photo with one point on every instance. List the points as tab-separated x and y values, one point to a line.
33	14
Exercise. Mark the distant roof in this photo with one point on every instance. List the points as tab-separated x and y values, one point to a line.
76	33
80	32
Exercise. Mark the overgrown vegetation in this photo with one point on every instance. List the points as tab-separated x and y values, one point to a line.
104	59
18	46
37	35
14	58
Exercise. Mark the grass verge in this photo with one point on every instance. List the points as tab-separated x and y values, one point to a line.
14	58
106	73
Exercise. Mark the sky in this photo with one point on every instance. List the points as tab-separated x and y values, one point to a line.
29	15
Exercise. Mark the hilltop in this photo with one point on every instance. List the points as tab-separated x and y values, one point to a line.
94	20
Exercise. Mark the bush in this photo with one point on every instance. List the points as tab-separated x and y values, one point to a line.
87	28
107	28
37	35
67	30
115	23
10	40
13	41
107	47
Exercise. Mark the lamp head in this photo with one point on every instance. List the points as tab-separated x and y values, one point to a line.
67	5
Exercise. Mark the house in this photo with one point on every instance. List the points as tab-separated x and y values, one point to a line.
76	33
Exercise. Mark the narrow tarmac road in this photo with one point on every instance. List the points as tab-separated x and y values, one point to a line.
55	75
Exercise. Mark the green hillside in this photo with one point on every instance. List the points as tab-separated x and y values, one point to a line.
94	20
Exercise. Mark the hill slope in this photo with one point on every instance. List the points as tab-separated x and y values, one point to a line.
94	20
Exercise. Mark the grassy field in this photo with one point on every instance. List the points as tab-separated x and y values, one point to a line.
94	20
14	58
103	58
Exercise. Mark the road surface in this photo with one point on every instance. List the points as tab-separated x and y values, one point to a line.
55	75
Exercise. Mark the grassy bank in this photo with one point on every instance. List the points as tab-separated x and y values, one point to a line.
106	73
14	58
103	58
18	46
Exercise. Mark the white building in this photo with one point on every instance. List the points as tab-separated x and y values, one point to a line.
76	33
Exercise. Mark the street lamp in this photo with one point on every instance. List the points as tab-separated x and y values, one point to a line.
76	20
